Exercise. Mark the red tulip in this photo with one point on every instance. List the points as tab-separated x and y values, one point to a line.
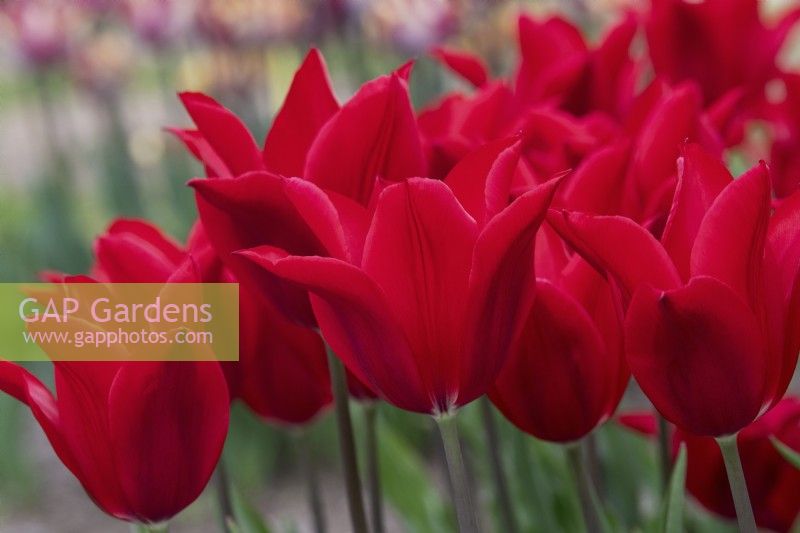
724	45
143	438
708	331
772	482
427	314
568	372
634	175
306	140
276	358
557	65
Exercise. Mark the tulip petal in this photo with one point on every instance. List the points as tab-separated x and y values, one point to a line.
501	288
277	359
698	354
619	247
557	383
418	251
482	179
355	320
19	383
466	65
701	178
82	390
338	222
309	104
151	234
127	258
202	151
669	124
224	132
168	441
372	136
596	186
730	241
249	211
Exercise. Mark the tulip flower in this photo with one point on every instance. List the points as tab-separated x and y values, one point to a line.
276	357
773	483
427	313
709	329
251	209
724	45
143	438
568	372
557	65
429	244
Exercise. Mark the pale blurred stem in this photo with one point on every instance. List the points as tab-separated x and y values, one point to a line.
347	444
525	471
373	468
308	457
223	490
496	464
664	463
465	512
741	499
150	528
586	491
595	468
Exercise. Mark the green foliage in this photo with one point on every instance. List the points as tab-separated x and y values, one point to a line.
673	506
789	454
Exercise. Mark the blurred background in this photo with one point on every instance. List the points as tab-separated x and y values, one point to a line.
86	89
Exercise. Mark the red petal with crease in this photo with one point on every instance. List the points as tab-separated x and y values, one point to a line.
339	223
309	104
283	367
418	251
168	441
619	247
224	132
501	288
701	177
18	382
151	234
372	136
253	210
355	320
556	384
698	354
82	391
126	257
730	241
482	179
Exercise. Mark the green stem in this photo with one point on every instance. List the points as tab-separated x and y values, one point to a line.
586	490
665	465
309	460
150	528
465	513
496	463
373	468
595	465
535	487
741	500
222	483
347	444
